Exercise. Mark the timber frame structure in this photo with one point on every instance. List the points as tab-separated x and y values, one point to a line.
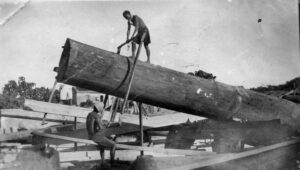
268	124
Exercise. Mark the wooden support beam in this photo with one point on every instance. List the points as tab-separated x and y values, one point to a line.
131	76
107	72
141	127
0	118
198	162
27	133
220	158
37	118
54	108
50	100
81	114
129	147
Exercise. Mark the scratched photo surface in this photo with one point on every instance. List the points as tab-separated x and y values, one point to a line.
245	43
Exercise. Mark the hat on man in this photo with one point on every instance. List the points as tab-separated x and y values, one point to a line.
99	106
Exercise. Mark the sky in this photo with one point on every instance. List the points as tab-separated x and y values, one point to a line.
222	37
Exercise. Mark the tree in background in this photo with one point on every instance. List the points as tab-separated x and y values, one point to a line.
8	102
24	89
293	84
15	92
10	89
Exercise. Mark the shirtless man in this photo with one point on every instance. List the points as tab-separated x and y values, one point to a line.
140	33
96	129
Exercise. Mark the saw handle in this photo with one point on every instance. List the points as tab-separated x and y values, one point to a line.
120	46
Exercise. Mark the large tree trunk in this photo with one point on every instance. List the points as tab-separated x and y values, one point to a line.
106	72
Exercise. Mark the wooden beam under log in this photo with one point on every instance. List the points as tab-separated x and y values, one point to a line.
251	159
128	147
107	72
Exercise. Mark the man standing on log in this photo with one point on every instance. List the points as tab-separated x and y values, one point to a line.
140	33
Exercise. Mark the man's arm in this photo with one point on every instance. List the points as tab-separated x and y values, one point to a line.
135	31
128	31
128	34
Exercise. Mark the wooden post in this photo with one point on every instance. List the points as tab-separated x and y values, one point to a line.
105	101
75	146
75	127
141	126
131	78
115	110
52	92
50	100
0	119
75	122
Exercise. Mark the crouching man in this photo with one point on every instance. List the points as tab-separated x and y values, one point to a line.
96	128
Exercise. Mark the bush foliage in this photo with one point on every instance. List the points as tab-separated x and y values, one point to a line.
14	93
288	86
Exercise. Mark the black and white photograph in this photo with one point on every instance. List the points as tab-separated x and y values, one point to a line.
149	85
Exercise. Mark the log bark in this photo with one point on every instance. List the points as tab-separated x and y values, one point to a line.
107	72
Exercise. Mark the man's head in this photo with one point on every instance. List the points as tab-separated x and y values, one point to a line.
98	106
126	14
